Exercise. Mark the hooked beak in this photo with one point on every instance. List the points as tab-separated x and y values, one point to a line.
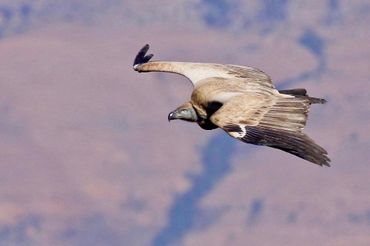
172	116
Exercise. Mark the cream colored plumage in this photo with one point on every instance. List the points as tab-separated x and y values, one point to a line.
243	102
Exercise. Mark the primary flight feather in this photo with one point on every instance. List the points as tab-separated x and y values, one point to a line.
243	102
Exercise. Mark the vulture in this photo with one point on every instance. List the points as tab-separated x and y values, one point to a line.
244	103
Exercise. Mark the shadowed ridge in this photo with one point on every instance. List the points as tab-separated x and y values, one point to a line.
185	212
141	56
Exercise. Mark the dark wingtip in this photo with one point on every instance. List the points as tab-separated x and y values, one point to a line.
141	56
327	165
325	162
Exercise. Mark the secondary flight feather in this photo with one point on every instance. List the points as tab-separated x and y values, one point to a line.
244	103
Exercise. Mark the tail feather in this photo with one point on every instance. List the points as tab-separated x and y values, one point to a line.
302	93
315	100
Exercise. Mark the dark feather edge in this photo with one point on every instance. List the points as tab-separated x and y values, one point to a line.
141	56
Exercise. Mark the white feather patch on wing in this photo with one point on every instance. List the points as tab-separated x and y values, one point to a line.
239	134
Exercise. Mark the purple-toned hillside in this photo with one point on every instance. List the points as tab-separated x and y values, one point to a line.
87	156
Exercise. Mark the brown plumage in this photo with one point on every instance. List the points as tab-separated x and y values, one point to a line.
244	103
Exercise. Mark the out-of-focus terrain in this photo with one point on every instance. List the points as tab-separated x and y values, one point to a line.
87	156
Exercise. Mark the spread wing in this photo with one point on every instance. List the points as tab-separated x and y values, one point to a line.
252	110
196	72
274	121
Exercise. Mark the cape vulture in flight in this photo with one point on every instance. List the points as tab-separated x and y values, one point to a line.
243	102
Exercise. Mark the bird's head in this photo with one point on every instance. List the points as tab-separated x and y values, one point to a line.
184	112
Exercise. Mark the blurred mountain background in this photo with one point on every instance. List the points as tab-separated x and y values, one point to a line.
87	156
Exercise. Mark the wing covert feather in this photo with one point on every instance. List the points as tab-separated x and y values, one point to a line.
274	122
196	72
